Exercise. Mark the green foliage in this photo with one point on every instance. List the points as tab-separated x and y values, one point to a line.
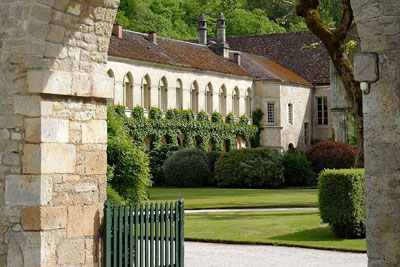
342	202
298	170
202	116
216	117
244	119
157	157
230	118
155	113
212	158
257	115
138	113
253	168
128	171
186	168
183	122
114	197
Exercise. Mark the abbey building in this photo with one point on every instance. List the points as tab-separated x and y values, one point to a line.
284	75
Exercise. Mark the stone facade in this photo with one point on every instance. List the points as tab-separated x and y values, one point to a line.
53	90
378	23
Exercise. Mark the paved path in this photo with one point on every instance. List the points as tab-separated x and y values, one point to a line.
222	255
246	210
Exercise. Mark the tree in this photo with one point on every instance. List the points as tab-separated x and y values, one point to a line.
335	43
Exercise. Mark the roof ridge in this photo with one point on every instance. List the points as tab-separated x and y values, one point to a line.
266	34
165	38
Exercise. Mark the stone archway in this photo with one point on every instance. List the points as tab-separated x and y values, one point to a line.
53	130
378	64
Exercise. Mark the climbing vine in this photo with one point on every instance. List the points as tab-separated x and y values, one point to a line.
182	123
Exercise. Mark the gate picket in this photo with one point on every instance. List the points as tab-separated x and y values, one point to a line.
149	235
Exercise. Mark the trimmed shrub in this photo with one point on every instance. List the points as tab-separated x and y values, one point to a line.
138	113
342	202
244	119
230	118
253	168
331	155
202	116
298	170
212	158
186	168
155	113
157	157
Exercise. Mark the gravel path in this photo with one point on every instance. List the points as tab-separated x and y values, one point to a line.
246	210
223	255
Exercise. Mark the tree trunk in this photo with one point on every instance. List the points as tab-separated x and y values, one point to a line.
334	42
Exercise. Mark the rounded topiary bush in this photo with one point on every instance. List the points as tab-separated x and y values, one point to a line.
341	199
250	168
298	170
331	155
186	168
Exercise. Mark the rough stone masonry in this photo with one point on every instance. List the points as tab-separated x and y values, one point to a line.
53	137
378	23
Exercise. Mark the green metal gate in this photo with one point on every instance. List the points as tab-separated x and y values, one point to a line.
149	235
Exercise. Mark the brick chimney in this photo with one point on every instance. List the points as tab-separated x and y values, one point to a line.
152	35
117	30
237	58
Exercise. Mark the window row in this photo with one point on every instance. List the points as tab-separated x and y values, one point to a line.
162	95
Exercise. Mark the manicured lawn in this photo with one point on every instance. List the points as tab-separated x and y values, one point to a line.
298	228
203	198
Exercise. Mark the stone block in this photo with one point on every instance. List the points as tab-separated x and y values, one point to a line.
44	218
81	85
54	130
4	134
94	132
95	162
30	218
71	251
56	34
58	158
87	225
49	82
366	67
102	86
24	249
31	159
23	190
12	159
32	130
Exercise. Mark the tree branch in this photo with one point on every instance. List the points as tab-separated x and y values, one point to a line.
346	21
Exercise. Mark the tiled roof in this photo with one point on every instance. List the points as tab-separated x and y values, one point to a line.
263	68
167	51
287	49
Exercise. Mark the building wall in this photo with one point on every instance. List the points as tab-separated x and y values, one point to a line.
139	69
301	99
321	132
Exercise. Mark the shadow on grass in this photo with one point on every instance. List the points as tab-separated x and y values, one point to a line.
315	234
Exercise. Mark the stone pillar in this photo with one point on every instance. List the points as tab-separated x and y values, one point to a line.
378	23
53	139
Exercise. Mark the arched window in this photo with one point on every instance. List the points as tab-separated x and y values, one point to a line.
209	98
222	100
110	74
128	90
194	97
146	89
179	94
248	103
235	102
163	94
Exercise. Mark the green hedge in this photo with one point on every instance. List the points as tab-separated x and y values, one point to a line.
212	158
342	201
186	168
157	157
250	168
298	170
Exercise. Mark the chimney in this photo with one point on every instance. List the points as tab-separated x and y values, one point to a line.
152	37
202	29
222	46
237	58
117	30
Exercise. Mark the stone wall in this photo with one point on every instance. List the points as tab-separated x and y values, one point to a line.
378	23
53	90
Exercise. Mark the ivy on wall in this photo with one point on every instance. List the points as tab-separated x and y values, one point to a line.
197	132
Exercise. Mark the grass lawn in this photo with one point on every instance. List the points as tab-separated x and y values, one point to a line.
203	198
298	228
